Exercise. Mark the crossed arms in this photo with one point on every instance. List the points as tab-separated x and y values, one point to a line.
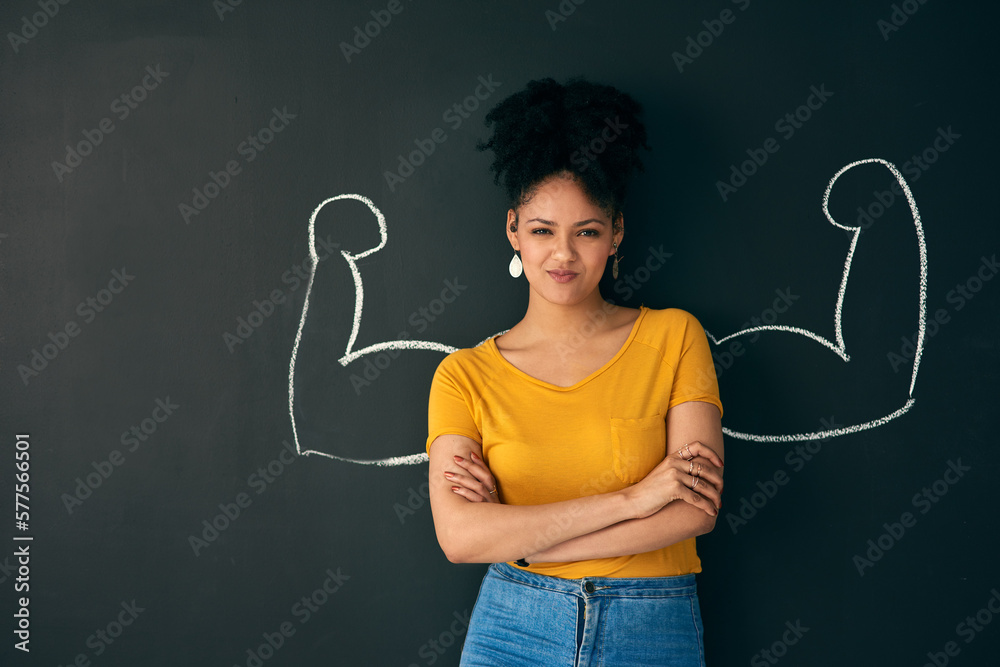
472	526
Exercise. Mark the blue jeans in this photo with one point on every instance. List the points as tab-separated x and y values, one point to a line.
522	619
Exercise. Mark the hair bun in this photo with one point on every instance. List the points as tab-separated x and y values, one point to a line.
590	130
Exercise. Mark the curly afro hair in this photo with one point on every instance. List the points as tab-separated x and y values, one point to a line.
588	130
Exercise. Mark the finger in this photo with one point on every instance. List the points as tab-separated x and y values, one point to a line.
683	452
468	495
706	490
700	467
478	469
478	480
708	507
482	474
698	448
696	499
694	449
703	503
470	483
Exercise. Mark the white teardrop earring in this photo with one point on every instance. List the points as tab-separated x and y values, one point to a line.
515	268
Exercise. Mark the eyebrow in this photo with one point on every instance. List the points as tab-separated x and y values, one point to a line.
575	224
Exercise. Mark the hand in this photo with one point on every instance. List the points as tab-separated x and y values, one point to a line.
693	474
476	483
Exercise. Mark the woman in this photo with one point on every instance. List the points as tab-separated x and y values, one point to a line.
580	452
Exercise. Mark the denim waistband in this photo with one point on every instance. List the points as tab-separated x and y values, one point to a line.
591	587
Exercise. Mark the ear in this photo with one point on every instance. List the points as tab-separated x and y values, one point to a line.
511	235
620	234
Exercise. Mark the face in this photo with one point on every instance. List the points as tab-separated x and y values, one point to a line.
564	240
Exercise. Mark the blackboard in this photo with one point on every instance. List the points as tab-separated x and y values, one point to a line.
165	164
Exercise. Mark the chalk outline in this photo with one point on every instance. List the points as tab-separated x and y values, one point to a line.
349	354
840	348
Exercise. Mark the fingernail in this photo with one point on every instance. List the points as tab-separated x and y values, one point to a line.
454	488
459	458
476	458
449	475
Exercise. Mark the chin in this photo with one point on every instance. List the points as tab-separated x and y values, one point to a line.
563	297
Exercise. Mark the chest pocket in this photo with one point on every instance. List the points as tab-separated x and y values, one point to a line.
637	446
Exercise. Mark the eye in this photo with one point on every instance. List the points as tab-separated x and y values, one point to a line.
540	230
590	232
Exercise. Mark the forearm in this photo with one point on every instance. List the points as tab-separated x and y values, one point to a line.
493	532
674	523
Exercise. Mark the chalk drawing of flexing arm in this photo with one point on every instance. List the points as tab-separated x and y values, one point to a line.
839	348
350	354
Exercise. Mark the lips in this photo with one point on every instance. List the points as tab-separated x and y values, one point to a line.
562	276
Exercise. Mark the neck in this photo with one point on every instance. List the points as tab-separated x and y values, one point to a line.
557	322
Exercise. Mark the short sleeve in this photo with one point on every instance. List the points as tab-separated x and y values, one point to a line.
694	370
451	405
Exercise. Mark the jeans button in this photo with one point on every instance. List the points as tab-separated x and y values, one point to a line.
589	587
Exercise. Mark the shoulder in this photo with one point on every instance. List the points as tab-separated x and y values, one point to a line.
470	363
672	331
673	319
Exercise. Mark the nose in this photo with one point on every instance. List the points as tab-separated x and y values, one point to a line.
564	250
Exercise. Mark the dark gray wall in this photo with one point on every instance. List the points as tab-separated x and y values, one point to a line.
179	322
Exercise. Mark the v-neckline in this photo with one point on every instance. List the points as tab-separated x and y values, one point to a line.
492	344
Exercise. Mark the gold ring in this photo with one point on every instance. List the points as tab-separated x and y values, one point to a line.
494	490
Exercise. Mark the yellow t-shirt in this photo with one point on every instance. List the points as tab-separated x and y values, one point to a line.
546	443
